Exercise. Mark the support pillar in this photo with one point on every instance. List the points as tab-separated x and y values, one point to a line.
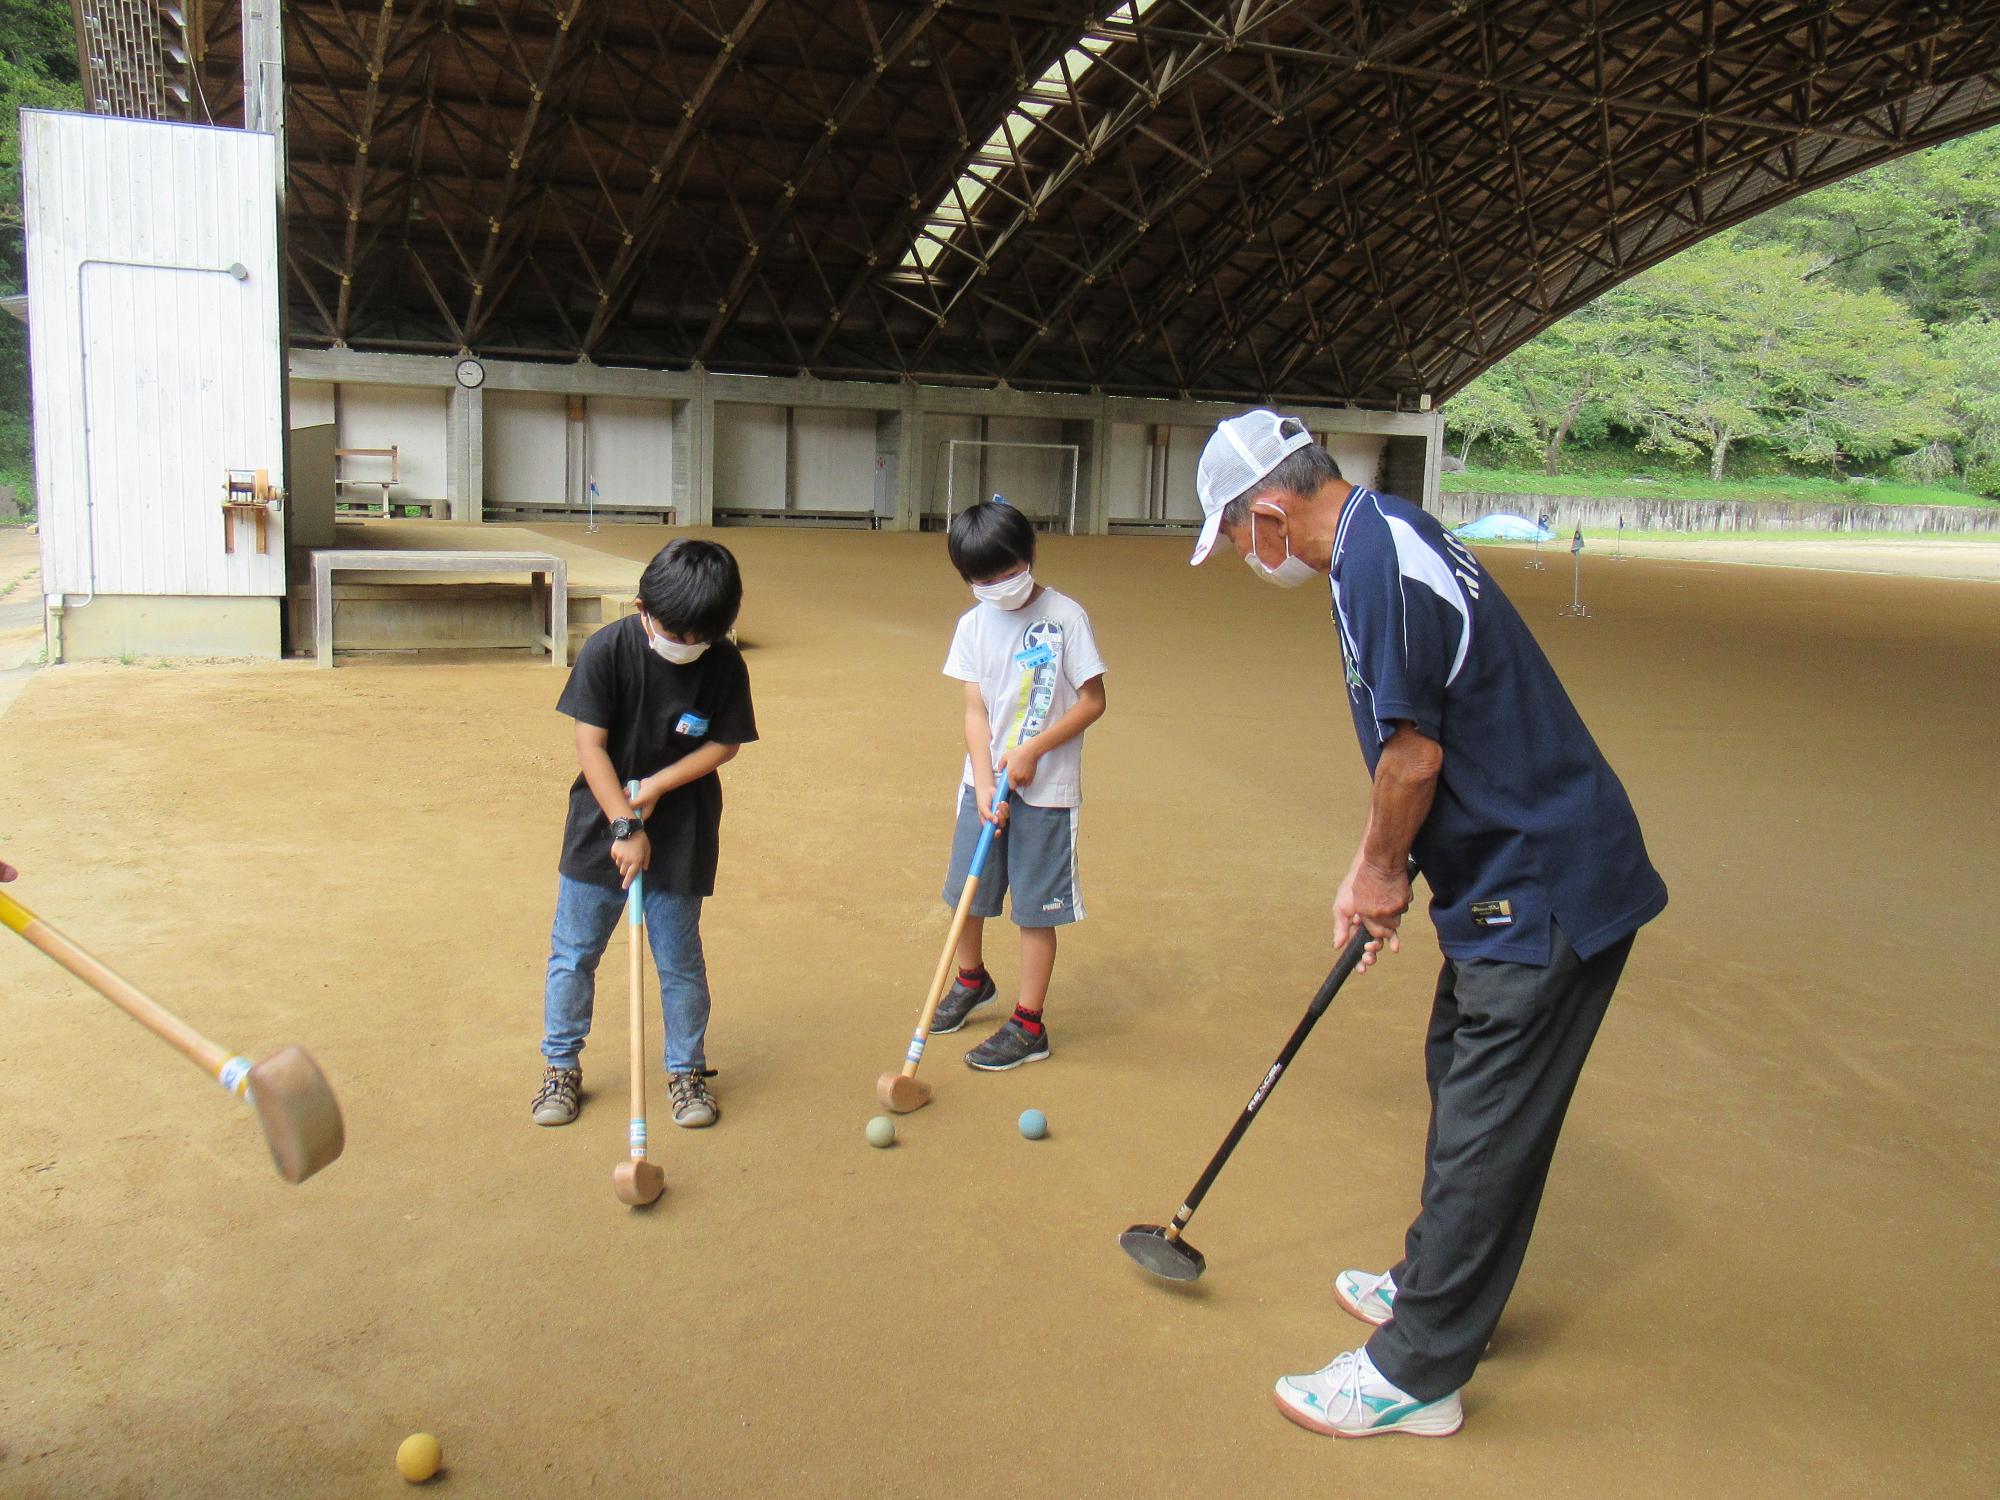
696	416
1092	435
465	455
1433	462
909	462
264	76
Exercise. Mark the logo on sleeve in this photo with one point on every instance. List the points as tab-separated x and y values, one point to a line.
1492	914
691	724
1354	682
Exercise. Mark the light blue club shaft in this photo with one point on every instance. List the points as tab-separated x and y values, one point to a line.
915	1055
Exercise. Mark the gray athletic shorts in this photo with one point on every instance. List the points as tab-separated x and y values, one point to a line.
1034	855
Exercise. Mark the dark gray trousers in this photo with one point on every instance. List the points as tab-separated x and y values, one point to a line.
1506	1044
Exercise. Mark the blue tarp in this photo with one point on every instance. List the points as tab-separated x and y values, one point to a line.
1500	526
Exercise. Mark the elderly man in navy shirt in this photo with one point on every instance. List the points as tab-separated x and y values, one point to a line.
1484	772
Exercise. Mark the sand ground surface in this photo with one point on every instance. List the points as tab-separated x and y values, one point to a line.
21	640
1971	557
1766	1260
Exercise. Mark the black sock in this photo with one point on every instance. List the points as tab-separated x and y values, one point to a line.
1029	1021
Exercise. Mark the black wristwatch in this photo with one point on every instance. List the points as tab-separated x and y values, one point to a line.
624	828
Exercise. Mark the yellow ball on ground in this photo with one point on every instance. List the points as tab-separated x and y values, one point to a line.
418	1457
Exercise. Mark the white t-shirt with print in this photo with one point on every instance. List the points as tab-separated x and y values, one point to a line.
985	649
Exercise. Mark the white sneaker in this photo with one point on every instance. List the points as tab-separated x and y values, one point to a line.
1372	1299
1349	1398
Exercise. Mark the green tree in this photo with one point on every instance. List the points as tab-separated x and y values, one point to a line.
1583	361
1970	351
1848	376
1696	383
37	71
1489	410
1924	228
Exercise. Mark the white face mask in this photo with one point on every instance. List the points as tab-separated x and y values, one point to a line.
1288	574
677	652
1008	593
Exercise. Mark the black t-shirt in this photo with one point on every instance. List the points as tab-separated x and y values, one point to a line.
655	714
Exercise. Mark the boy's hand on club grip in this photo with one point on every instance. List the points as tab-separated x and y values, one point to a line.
631	856
1019	764
982	794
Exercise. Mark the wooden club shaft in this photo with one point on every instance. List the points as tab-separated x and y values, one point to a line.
121	992
939	979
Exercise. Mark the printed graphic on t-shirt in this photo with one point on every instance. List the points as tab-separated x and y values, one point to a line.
1040	657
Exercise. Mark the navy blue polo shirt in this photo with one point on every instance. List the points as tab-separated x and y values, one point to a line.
1530	824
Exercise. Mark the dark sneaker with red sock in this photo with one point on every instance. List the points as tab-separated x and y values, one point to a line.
1022	1039
966	995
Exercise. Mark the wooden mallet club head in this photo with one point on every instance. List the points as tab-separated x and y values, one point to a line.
901	1093
296	1107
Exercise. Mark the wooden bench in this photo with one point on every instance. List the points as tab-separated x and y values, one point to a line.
1154	523
745	516
551	601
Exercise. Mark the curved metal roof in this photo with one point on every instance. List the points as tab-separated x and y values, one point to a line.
1220	198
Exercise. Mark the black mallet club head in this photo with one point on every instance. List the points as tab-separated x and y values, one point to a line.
1160	1251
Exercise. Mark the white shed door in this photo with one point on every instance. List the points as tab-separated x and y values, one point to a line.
172	400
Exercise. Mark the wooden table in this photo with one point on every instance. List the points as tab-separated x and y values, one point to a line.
551	600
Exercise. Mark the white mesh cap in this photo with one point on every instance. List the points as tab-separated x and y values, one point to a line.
1241	451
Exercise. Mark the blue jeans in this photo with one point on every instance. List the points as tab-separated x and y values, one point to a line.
586	916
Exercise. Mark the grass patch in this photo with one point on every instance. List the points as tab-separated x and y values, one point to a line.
1797	488
1600	537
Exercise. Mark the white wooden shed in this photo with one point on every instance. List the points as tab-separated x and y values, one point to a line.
154	339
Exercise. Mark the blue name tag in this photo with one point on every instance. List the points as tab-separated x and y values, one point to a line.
692	725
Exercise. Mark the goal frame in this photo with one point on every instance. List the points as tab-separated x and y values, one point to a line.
952	445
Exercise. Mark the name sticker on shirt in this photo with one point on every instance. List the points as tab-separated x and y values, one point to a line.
1492	914
691	724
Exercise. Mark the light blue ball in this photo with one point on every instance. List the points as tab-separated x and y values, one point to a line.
1034	1124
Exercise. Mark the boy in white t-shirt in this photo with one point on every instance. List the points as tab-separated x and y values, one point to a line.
1033	683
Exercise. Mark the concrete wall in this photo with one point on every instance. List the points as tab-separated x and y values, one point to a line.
116	625
631	451
755	443
1183	457
1036	481
1570	511
833	460
407	418
1359	455
312	403
525	434
938	430
750	457
1126	480
1400	470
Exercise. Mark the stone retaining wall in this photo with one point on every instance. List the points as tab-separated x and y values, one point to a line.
1567	512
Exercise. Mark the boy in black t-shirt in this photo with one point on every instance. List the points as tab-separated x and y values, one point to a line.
661	698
